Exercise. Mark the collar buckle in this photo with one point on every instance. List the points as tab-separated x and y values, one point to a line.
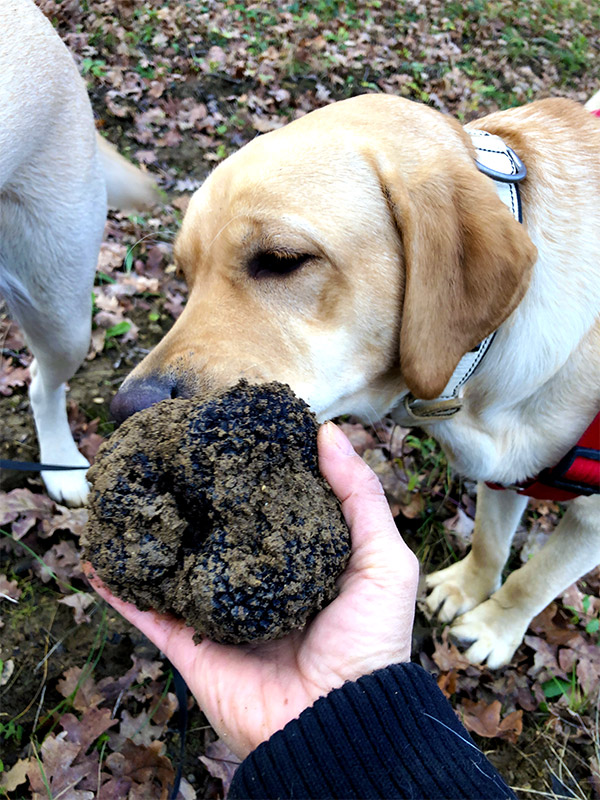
505	177
421	411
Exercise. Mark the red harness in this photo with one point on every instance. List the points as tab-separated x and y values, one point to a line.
576	474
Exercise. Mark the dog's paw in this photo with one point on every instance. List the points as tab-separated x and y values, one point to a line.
457	589
493	633
69	488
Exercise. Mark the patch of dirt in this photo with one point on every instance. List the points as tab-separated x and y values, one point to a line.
30	632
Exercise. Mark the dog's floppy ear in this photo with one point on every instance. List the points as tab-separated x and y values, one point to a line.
467	266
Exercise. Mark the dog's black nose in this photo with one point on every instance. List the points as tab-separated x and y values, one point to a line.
137	394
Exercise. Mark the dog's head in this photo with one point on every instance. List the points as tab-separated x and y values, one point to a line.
352	254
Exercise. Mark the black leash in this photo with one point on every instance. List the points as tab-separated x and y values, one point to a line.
181	693
34	466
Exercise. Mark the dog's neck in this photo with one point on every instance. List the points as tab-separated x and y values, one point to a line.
505	168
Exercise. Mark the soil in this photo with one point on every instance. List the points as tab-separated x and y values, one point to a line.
216	511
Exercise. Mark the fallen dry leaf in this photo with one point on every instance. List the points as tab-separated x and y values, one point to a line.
393	479
461	527
84	732
9	590
553	626
415	507
15	776
79	602
448	657
144	770
448	682
23	508
61	562
64	519
221	763
12	376
61	774
81	687
112	688
140	729
484	719
360	438
11	336
545	658
6	671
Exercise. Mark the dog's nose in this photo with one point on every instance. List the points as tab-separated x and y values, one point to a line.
137	394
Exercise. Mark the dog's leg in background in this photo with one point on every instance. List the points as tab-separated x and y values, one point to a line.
469	582
52	367
51	224
497	626
54	175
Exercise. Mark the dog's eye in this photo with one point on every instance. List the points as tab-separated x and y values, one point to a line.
277	262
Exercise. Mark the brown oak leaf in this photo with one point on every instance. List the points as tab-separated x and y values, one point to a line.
79	602
11	376
23	508
80	685
144	770
62	562
484	719
221	763
9	590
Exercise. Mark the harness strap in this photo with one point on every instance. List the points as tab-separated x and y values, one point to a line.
577	473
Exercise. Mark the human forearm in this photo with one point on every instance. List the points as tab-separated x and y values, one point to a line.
389	734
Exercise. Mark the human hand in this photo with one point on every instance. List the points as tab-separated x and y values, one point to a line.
248	692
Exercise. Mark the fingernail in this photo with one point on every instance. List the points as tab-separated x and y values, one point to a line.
338	438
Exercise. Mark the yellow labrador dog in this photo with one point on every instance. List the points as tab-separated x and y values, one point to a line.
55	174
360	254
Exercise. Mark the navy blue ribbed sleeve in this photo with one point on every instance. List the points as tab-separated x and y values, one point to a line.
391	734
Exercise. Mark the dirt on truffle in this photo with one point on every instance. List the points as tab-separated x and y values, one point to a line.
215	510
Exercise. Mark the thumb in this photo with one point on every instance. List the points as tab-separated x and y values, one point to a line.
383	573
354	483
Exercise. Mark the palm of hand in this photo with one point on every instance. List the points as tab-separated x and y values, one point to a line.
250	691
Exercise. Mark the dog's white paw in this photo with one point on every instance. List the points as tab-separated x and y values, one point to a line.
457	589
69	488
494	633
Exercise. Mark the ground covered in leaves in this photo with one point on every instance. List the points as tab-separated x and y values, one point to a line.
87	705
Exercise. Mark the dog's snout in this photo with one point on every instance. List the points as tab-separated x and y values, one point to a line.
137	394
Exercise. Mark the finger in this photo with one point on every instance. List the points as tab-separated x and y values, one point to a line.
379	554
359	490
165	631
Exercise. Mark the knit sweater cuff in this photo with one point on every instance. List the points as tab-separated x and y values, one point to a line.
391	734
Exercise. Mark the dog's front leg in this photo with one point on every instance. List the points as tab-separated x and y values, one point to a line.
497	626
469	582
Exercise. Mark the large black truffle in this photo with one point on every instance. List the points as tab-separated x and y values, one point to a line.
215	510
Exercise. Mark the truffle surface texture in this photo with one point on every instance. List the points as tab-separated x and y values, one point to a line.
215	510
